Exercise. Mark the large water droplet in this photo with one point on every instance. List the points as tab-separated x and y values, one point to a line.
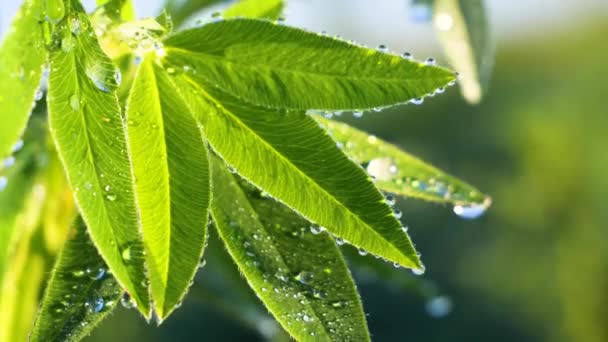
96	273
55	10
383	169
471	212
95	304
103	77
126	301
439	306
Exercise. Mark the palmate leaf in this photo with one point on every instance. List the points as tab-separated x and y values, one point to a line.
87	127
79	294
172	184
289	156
399	172
276	66
301	277
266	9
22	56
463	30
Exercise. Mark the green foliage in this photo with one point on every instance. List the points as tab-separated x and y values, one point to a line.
79	294
300	276
136	158
463	30
171	172
21	56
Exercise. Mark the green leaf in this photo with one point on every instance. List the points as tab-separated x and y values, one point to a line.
22	56
172	184
79	294
276	66
289	156
181	10
263	9
87	127
463	31
399	172
301	277
118	10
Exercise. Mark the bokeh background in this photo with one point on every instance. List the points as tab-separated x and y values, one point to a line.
534	268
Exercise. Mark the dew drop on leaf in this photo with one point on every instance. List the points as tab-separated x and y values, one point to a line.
96	273
95	304
383	169
75	102
304	277
126	301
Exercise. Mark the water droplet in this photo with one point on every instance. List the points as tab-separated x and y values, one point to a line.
38	95
126	254
18	146
398	213
8	162
304	277
340	241
74	25
75	102
55	10
471	212
405	229
358	114
96	273
439	90
430	61
383	169
126	301
88	185
118	77
68	43
418	271
407	55
103	77
382	48
95	304
307	318
417	101
338	304
111	197
362	252
439	307
316	229
202	263
390	199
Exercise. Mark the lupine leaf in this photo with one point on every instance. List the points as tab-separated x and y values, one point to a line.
263	9
22	56
301	277
88	130
289	156
79	294
399	172
172	187
463	30
276	66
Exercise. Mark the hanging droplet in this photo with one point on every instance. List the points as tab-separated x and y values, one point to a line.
38	95
362	252
471	212
126	301
18	146
407	55
418	271
398	214
417	101
382	48
340	241
316	229
390	200
358	114
439	307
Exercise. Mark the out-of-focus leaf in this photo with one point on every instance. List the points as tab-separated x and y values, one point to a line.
22	57
399	172
289	156
79	294
172	185
301	277
463	30
263	9
277	66
87	127
181	10
117	10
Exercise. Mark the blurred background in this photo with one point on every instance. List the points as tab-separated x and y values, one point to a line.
534	268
